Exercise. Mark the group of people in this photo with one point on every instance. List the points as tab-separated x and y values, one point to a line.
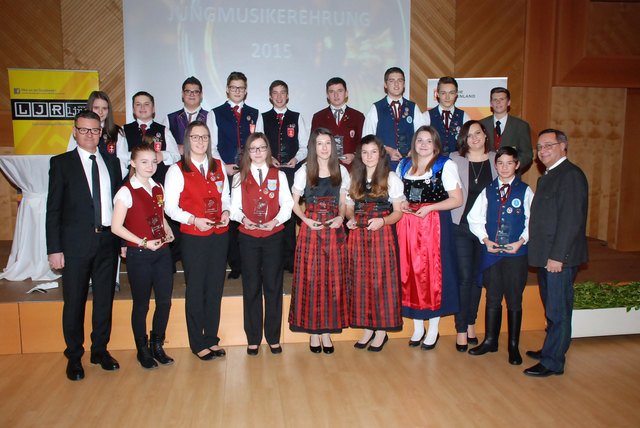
404	214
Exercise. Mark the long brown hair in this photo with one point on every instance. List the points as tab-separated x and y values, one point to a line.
245	163
109	125
186	144
379	185
437	148
312	160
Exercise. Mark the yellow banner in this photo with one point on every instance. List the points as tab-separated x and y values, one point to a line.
43	105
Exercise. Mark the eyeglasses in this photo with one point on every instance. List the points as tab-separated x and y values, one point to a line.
196	138
84	131
544	147
260	149
190	92
237	88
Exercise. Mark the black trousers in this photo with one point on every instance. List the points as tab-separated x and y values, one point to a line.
469	252
149	270
204	259
506	278
262	273
99	264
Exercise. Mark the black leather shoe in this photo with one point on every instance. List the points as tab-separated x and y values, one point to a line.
378	348
461	348
145	357
155	344
426	347
315	349
234	274
359	345
106	361
207	357
541	371
253	351
536	355
218	352
275	349
472	340
75	370
328	349
415	343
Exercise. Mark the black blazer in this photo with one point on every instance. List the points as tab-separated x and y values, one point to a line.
557	226
69	220
517	134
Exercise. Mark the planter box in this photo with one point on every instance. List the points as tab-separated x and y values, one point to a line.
605	322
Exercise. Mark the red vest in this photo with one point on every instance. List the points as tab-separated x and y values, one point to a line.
144	208
196	191
269	194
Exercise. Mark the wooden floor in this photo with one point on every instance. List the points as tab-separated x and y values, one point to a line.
399	387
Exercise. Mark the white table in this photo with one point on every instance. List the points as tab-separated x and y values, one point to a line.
28	258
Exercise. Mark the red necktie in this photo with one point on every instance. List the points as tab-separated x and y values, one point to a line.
504	192
446	115
280	116
143	128
236	111
396	109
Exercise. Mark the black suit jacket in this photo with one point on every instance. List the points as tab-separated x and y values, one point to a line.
557	225
69	221
516	134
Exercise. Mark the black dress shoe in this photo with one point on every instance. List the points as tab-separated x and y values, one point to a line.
207	357
315	349
328	349
378	348
75	370
426	347
275	349
253	351
359	345
461	348
541	371
218	352
472	340
234	274
106	361
536	355
416	343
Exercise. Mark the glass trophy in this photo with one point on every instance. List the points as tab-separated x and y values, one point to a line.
325	207
212	211
157	227
260	210
340	146
404	145
363	213
415	196
504	231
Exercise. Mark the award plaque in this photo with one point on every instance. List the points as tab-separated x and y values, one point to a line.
404	145
363	214
157	227
339	145
325	207
503	236
260	210
212	210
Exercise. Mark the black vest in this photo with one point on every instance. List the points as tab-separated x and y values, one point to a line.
282	139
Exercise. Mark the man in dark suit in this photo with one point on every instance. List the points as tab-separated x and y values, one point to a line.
557	246
506	130
343	121
82	183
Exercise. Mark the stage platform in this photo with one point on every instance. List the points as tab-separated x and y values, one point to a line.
32	323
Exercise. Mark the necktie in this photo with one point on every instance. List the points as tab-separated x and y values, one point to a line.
338	115
280	116
446	116
498	129
143	128
190	116
236	111
95	191
395	105
260	176
204	174
504	192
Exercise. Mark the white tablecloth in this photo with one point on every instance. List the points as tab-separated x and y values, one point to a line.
28	258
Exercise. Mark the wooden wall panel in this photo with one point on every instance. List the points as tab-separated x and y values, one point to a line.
613	29
490	41
595	128
432	44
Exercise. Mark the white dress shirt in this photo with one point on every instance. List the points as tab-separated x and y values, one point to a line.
213	127
105	183
303	135
371	120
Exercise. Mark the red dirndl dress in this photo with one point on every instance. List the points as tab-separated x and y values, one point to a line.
373	272
318	296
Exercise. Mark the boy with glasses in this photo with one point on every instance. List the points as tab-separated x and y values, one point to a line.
192	110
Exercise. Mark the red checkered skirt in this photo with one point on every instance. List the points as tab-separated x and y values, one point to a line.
373	278
318	296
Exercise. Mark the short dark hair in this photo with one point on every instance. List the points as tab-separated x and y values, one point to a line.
143	93
336	81
393	70
500	90
447	80
509	151
192	81
278	83
236	75
560	136
85	114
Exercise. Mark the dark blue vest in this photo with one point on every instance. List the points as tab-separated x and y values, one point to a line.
233	134
178	122
511	212
397	136
449	139
283	146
